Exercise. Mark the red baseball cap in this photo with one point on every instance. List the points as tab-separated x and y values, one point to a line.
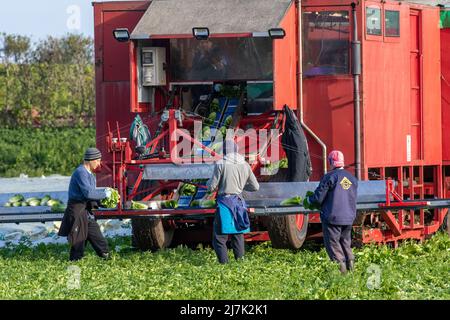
336	158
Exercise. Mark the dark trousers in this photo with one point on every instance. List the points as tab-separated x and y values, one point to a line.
338	240
96	239
219	243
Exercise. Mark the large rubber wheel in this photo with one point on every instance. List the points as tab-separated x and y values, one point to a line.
148	234
446	223
288	232
151	234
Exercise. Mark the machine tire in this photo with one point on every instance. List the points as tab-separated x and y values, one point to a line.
446	223
447	227
285	233
151	234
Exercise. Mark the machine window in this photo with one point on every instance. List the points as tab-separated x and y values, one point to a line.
326	38
221	59
392	23
259	97
373	21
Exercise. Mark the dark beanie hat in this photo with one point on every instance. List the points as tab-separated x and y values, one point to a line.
92	154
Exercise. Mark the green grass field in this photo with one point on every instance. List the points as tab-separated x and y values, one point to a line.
413	271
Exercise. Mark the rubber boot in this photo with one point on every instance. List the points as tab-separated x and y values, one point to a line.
342	267
350	265
105	256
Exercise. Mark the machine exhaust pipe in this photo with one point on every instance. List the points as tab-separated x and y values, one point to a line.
356	71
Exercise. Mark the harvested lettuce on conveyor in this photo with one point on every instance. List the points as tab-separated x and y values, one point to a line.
138	205
294	201
19	200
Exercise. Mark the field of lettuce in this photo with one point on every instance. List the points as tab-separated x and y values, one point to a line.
37	152
413	271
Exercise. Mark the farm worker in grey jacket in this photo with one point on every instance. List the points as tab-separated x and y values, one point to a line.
231	176
336	196
79	225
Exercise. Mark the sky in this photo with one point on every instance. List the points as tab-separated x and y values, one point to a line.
40	18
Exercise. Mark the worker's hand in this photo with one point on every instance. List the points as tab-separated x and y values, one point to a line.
204	198
208	195
306	203
108	192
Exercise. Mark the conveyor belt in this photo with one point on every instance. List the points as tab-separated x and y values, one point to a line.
265	202
43	214
270	194
374	206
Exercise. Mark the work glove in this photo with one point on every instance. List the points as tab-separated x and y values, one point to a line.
309	205
306	203
208	195
108	192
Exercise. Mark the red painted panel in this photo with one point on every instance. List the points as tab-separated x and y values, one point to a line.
414	27
328	111
116	58
416	139
416	107
386	97
445	84
431	86
415	69
112	71
328	104
134	107
285	63
389	106
416	113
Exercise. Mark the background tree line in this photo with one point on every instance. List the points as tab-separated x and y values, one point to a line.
47	104
49	83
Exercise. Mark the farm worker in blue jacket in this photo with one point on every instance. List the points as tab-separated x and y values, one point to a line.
231	176
79	225
336	196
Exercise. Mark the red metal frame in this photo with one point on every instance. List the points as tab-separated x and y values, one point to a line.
445	87
122	160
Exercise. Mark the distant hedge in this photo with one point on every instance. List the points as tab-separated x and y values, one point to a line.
38	152
49	83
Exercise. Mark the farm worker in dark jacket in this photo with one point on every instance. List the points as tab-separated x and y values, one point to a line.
336	195
79	225
231	176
